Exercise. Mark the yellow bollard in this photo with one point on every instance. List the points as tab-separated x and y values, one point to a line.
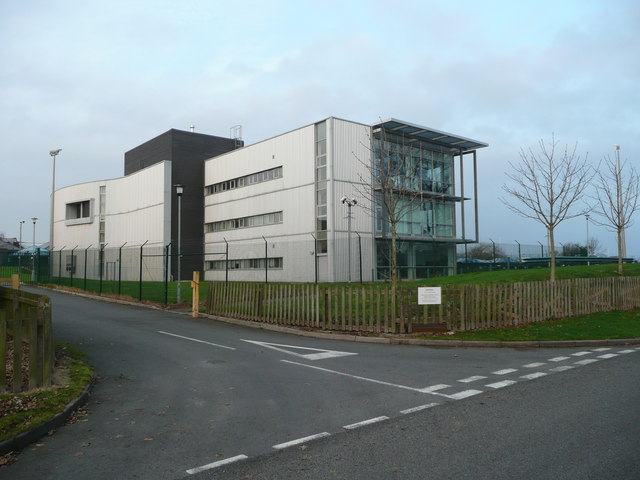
15	281
195	294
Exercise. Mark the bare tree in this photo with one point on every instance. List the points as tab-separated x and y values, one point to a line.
594	247
548	184
616	198
486	251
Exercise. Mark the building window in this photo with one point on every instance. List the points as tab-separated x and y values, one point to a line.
78	212
244	222
232	184
274	263
321	186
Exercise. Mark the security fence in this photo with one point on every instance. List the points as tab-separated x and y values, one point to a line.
150	271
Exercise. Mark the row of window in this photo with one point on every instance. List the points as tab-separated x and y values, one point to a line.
244	222
239	182
245	264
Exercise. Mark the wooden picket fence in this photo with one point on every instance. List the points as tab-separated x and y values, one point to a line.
25	331
463	307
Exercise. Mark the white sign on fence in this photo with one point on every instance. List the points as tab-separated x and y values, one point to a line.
429	295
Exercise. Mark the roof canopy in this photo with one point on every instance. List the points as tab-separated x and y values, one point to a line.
444	139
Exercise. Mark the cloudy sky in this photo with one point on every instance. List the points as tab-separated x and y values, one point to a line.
98	78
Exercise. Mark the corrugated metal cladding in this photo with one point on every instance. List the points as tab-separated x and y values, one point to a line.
135	209
350	141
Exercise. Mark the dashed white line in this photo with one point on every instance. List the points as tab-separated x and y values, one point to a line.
418	408
219	463
608	355
505	371
531	376
587	361
298	441
626	351
561	368
580	354
472	379
434	388
534	365
558	359
603	349
365	422
504	383
463	394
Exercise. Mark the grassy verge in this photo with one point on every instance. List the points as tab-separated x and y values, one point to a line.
21	412
597	326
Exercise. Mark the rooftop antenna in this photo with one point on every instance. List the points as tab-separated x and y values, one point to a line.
236	133
192	127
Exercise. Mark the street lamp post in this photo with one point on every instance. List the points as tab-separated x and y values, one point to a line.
33	273
20	245
54	154
179	192
619	214
587	219
349	202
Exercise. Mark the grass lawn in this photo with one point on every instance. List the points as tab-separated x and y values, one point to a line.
21	412
597	326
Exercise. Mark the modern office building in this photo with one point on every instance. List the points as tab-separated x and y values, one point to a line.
283	209
141	208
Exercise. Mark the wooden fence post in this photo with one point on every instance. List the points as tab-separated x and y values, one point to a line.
195	294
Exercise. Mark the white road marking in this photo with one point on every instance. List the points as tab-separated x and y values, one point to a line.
580	354
372	380
195	340
626	351
463	394
504	383
534	365
587	361
603	349
434	388
418	408
608	355
219	463
562	368
365	422
320	355
472	379
558	359
505	371
298	441
531	376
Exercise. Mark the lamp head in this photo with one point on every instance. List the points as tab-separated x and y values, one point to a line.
53	153
179	189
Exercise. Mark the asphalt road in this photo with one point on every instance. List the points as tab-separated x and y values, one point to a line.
178	395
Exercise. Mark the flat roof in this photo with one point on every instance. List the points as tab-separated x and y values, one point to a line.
431	135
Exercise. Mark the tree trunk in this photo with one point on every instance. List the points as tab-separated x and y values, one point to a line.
552	246
619	251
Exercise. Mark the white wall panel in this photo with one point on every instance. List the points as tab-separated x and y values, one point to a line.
136	210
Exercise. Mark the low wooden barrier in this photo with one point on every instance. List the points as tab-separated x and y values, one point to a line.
26	339
464	307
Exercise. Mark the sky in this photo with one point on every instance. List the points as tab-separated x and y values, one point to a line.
98	78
